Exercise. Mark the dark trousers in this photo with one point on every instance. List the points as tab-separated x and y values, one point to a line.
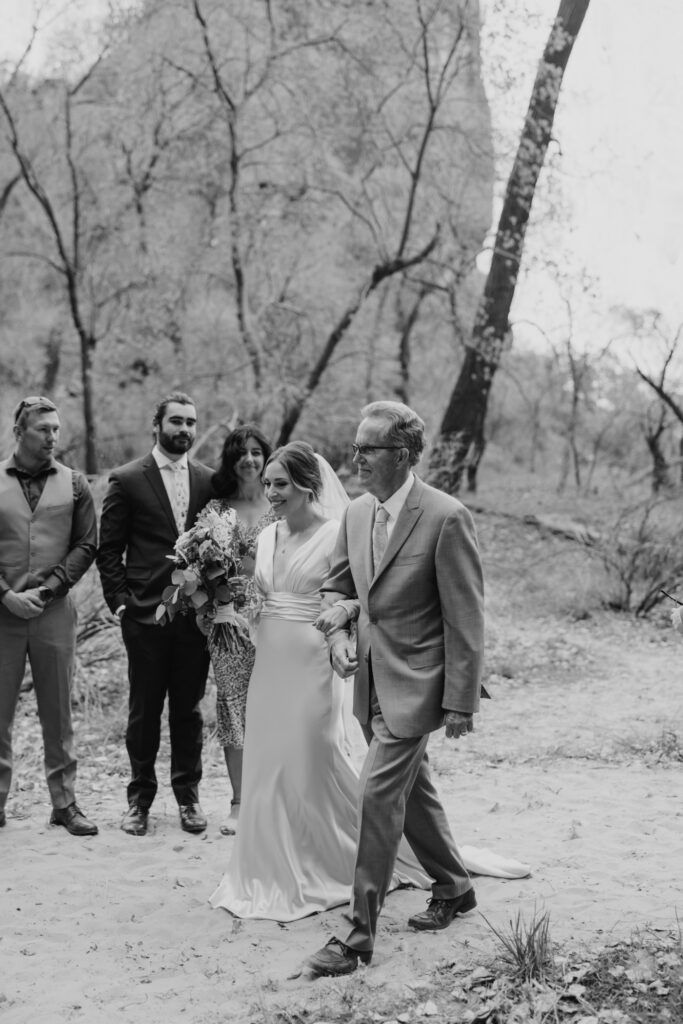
170	659
397	796
48	642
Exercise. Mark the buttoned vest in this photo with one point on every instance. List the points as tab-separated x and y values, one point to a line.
32	543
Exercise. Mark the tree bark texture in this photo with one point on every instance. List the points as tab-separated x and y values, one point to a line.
462	427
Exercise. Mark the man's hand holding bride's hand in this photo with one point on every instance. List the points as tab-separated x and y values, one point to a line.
458	723
343	655
330	619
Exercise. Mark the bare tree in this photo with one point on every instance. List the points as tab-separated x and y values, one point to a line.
655	422
67	237
439	62
659	383
406	320
381	273
535	392
404	114
232	107
578	365
655	425
462	426
235	192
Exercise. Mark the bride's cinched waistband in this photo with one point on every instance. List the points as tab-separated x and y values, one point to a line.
297	607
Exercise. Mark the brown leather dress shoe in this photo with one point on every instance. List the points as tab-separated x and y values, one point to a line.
440	913
74	820
135	820
336	958
192	818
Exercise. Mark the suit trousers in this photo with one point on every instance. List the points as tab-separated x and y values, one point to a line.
397	797
49	642
165	660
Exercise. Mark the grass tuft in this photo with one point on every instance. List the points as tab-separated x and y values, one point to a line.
665	748
527	947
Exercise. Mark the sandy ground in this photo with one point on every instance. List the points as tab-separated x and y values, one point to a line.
563	772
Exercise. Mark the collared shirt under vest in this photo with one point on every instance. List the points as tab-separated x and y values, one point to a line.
33	542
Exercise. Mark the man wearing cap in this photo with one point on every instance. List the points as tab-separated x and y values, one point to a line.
148	504
48	539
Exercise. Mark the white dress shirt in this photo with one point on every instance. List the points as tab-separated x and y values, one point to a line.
167	468
163	462
395	503
392	506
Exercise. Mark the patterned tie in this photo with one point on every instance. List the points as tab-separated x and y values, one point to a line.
380	537
182	498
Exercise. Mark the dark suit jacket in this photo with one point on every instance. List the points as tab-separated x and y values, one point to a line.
421	614
138	531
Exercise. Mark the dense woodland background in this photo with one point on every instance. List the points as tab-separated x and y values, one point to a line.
241	199
281	208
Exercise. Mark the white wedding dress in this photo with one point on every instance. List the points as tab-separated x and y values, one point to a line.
296	839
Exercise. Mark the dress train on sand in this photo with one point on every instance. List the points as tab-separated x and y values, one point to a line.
295	849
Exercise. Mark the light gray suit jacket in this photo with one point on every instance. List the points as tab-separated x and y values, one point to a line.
421	617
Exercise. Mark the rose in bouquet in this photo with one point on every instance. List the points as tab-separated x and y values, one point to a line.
208	578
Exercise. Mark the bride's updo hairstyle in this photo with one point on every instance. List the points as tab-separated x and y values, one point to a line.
299	460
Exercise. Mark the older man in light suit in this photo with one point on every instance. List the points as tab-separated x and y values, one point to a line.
408	554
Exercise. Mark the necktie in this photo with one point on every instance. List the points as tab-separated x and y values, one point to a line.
380	537
181	502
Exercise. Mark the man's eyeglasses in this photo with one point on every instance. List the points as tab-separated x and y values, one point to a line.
31	402
368	449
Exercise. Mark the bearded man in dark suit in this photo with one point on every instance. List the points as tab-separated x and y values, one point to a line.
150	502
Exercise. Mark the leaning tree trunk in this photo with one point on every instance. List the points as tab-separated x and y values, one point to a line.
462	427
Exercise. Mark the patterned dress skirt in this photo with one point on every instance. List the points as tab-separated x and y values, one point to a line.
232	671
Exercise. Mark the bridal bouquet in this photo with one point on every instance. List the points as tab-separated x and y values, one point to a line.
208	580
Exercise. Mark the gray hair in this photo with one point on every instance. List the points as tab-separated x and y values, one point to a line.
404	426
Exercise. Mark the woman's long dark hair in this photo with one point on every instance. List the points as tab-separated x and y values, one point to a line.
224	480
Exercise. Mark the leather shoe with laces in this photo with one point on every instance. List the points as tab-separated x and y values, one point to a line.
336	958
440	913
74	820
192	818
135	820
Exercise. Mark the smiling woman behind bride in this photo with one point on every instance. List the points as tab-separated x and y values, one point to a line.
237	484
296	844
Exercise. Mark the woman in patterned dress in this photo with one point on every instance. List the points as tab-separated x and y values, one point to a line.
237	482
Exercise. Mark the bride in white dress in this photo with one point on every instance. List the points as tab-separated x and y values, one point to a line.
296	844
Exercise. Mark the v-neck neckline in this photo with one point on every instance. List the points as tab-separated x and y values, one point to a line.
296	550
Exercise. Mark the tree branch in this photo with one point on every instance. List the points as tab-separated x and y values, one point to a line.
379	274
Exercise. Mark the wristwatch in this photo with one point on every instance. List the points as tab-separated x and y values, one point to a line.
45	594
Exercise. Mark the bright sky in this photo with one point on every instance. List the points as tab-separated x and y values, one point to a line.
618	124
620	127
